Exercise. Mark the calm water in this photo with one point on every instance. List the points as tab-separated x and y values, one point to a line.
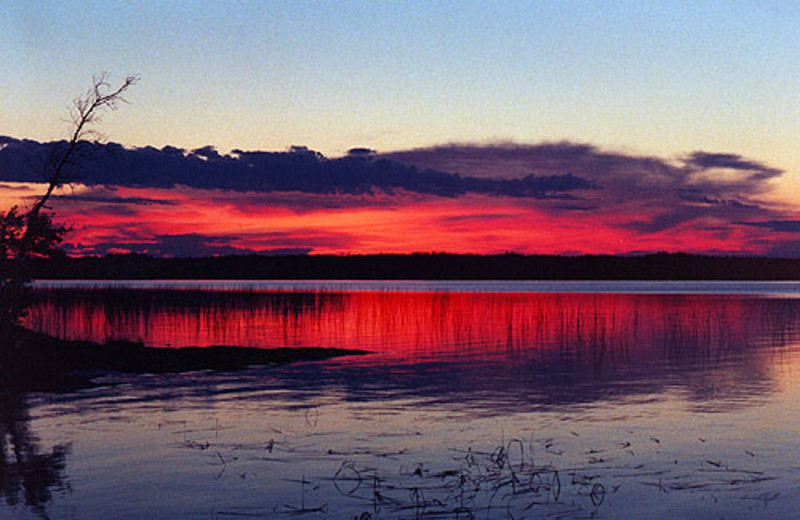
480	400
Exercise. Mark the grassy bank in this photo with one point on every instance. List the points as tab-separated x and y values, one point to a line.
36	362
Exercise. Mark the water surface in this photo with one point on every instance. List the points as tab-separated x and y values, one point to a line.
480	400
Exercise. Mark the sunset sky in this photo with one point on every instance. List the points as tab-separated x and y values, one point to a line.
564	127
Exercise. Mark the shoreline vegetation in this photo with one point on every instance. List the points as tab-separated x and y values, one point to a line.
43	363
419	266
37	362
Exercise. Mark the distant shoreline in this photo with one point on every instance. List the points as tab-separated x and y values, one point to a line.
421	266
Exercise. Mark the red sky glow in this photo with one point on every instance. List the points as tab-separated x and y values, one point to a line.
473	224
547	198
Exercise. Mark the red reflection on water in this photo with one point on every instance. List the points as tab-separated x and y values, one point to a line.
416	326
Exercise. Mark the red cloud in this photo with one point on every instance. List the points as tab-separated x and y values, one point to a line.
218	222
557	198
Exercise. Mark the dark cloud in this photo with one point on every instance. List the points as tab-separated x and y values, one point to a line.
695	196
606	169
302	202
116	239
659	194
299	169
361	152
307	237
12	187
479	217
118	210
102	200
182	246
667	220
574	207
284	251
113	199
781	226
193	244
707	161
784	249
517	161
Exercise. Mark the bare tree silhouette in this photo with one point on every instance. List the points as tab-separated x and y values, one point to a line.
29	234
87	110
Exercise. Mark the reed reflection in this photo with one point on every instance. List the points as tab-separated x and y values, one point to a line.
178	318
539	349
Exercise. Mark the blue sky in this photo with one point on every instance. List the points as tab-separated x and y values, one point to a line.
655	77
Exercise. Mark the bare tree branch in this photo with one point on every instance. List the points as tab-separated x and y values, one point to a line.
87	110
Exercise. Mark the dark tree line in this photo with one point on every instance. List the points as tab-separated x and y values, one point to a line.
424	266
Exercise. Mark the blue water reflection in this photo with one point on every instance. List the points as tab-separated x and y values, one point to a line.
641	399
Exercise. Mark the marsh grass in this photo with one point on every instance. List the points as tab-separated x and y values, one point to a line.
518	478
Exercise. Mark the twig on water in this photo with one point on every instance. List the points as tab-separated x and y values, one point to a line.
287	508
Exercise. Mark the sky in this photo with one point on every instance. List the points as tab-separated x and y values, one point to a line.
569	127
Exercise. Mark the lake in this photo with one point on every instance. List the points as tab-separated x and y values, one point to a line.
477	400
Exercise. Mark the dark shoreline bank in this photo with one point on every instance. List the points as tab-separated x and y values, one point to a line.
422	266
36	362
